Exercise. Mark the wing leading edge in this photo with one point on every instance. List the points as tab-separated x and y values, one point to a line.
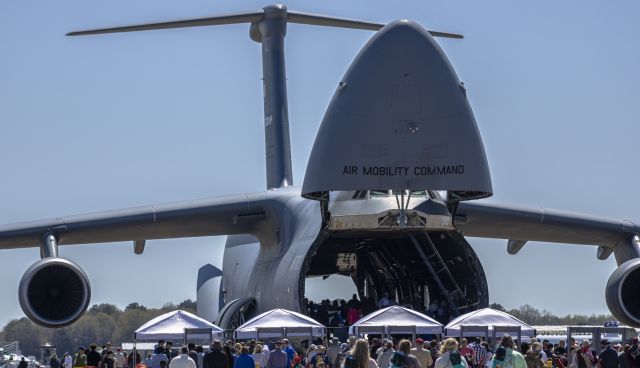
226	215
503	221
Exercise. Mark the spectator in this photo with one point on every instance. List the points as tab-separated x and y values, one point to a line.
277	357
93	357
359	356
134	358
423	355
384	356
403	357
585	356
244	359
67	361
291	353
259	356
200	355
109	361
193	354
80	360
119	358
608	357
215	358
512	358
54	362
159	355
183	360
449	355
385	301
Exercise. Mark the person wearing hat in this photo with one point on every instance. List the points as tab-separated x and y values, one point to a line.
423	355
608	357
277	358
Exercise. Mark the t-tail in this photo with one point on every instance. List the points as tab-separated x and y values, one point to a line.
269	28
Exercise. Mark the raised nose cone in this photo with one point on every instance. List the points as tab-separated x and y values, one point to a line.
399	119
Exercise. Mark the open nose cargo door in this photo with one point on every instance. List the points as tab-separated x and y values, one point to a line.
399	119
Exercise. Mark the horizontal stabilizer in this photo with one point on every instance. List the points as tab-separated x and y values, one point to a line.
252	17
323	20
247	17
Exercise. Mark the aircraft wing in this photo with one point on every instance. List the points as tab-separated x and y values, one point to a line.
236	214
504	221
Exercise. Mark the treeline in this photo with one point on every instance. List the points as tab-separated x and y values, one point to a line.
100	324
534	316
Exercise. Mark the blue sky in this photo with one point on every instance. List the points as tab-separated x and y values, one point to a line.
115	121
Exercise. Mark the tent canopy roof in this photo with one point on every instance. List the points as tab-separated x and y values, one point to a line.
172	325
487	317
396	319
279	322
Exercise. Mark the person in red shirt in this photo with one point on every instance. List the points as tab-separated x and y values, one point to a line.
467	352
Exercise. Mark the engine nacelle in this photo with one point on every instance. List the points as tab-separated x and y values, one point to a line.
54	292
623	293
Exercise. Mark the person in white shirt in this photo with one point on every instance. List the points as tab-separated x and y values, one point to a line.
385	353
119	358
68	361
182	360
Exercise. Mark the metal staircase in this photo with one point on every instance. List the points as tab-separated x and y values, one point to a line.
440	272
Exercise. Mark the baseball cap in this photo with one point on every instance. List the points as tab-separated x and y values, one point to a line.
419	341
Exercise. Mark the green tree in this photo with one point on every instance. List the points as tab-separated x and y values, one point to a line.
188	305
109	309
63	341
93	328
26	333
497	306
135	306
131	320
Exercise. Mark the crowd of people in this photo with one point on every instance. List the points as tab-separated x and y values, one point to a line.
340	313
363	353
506	353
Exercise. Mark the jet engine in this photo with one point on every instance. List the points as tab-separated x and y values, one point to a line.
54	292
623	293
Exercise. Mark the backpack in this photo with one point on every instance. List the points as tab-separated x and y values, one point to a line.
398	360
456	359
350	361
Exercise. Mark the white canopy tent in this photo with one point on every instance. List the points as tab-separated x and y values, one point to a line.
177	325
489	323
280	323
396	320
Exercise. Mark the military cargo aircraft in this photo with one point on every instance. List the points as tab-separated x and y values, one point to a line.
390	192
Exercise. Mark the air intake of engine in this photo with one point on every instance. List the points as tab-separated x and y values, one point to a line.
623	293
54	292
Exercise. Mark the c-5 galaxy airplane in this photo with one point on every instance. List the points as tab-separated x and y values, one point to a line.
398	134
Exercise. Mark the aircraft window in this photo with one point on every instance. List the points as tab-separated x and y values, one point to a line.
379	193
419	193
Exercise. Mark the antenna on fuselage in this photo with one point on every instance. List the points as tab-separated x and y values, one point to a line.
268	27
